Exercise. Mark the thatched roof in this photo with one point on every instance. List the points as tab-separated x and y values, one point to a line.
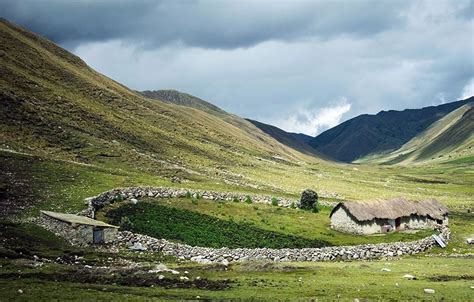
392	208
76	219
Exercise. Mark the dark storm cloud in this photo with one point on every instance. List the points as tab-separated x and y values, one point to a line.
303	66
208	24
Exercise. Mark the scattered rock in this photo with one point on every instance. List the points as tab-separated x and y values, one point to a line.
470	240
138	246
429	290
20	291
409	277
134	200
386	269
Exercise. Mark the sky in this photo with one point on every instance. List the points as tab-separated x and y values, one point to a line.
304	66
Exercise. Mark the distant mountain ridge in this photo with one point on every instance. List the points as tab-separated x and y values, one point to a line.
386	131
298	141
450	138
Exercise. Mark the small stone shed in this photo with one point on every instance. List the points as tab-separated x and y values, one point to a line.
77	229
382	216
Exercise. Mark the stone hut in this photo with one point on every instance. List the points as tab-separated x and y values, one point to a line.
77	229
382	216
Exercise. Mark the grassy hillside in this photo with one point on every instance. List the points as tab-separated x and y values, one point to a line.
54	105
63	116
386	131
449	139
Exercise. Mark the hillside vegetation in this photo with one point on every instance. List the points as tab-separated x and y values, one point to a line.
386	131
54	105
449	139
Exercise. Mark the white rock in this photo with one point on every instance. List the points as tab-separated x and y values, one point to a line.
225	262
429	290
161	277
386	269
470	240
138	246
409	277
20	291
134	200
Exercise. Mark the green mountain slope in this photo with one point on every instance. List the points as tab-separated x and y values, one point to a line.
386	131
450	138
53	104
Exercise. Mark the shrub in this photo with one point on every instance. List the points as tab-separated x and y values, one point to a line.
188	194
309	199
315	209
248	199
198	196
292	206
235	199
194	201
126	223
275	201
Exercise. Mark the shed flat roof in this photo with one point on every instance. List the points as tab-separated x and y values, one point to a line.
71	218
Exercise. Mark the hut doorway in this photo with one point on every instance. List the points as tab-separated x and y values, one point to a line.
397	223
98	235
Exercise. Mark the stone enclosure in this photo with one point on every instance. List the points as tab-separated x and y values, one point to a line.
208	255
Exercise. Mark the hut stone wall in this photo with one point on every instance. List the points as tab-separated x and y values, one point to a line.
76	234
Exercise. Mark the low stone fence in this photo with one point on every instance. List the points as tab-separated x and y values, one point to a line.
212	255
223	255
97	202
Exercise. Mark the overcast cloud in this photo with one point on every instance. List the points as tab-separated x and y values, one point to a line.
303	66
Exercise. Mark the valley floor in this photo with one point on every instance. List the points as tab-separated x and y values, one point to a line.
29	183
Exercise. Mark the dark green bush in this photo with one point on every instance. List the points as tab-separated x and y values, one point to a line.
309	199
248	199
188	194
275	201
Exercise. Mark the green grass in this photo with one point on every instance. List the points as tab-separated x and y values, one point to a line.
286	281
450	277
202	230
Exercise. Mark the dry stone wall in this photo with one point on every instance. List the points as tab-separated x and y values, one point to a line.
223	255
209	255
97	202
